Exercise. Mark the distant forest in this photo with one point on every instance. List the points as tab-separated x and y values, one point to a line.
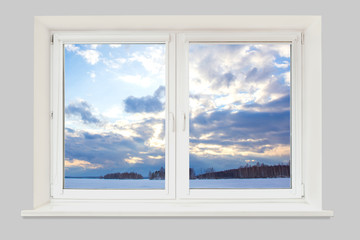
256	171
157	175
248	171
125	175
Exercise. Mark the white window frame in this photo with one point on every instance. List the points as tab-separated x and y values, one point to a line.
311	150
59	39
296	190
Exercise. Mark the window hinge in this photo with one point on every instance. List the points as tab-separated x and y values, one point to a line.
52	39
302	38
52	115
302	190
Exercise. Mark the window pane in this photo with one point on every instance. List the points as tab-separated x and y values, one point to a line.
114	105
239	115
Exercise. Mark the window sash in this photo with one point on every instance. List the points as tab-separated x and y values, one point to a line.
182	138
57	114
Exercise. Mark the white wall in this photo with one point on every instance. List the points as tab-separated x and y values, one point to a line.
341	84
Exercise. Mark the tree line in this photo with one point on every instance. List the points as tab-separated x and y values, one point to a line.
125	175
247	171
157	175
255	171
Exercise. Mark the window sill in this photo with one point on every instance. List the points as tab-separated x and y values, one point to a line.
83	208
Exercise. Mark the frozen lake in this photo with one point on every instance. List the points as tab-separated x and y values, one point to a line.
96	183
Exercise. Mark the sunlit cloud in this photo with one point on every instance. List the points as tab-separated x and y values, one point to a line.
156	141
203	149
114	112
250	161
155	157
133	160
76	163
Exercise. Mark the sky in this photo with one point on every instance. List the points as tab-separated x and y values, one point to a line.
115	107
239	105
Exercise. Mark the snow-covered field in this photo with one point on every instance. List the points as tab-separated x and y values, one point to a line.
95	183
241	183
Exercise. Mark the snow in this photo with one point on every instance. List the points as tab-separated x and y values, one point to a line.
241	183
96	183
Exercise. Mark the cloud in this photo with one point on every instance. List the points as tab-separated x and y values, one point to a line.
71	48
152	59
76	163
113	112
94	46
133	160
117	152
222	69
276	105
116	63
155	157
146	104
284	64
91	55
143	104
92	75
225	138
82	109
229	125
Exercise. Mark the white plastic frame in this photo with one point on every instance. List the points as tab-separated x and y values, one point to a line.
57	110
309	205
184	39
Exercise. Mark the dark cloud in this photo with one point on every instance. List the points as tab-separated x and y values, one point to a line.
282	103
260	75
160	92
147	103
229	126
111	149
69	130
83	110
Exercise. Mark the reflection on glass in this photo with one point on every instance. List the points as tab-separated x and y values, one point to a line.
114	105
239	115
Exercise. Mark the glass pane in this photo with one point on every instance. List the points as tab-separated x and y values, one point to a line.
239	115
114	105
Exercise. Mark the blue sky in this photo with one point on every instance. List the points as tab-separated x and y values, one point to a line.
115	98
